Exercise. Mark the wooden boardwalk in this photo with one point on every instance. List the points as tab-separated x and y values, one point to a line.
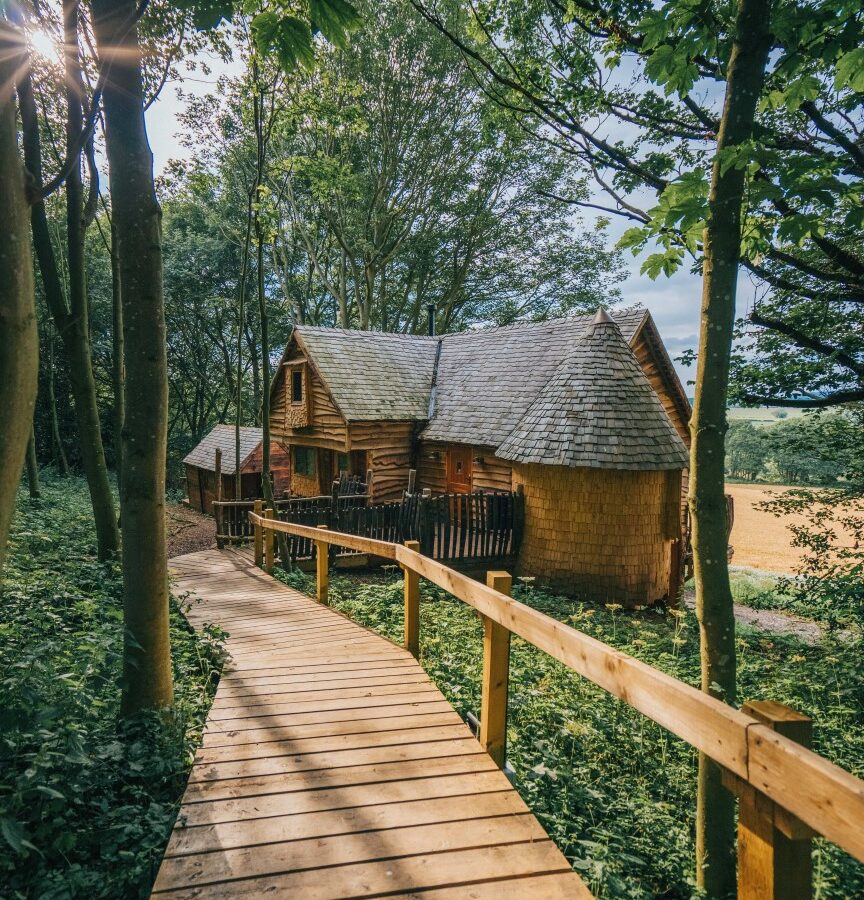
332	767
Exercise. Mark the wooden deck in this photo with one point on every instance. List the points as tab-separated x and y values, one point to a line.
332	767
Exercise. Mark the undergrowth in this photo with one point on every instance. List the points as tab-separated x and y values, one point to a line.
86	801
615	791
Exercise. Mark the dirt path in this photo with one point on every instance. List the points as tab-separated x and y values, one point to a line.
188	530
771	620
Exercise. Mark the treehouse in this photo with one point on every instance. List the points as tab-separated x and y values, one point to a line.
585	417
204	483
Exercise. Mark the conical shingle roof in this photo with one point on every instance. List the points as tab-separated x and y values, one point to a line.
599	411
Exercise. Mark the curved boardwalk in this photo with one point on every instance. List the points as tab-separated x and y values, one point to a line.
332	767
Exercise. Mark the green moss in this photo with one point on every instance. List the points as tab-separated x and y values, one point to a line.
86	801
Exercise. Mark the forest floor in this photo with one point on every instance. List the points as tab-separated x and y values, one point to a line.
188	530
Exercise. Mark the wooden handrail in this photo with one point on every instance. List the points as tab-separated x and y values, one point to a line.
824	796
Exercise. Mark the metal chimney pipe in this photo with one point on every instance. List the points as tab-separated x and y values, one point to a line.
430	309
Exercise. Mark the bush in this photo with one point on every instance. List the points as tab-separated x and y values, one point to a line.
86	800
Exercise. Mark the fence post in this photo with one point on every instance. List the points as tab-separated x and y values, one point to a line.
412	605
322	568
258	509
496	675
269	548
774	847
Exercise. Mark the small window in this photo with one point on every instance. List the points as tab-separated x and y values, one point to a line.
343	462
296	385
304	461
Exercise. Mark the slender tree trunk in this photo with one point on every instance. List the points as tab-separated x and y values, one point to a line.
147	677
72	321
32	467
59	452
118	369
241	313
715	825
19	340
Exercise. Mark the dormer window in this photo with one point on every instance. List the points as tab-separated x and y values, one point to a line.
297	386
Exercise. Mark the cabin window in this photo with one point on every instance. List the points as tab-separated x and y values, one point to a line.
296	385
343	463
304	461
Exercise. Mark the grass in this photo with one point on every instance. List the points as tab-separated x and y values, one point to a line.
615	791
86	800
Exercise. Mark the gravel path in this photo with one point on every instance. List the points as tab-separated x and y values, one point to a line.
772	620
188	530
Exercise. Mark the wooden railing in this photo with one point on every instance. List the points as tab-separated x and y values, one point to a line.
787	791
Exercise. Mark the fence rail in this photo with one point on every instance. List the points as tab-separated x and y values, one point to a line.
474	526
788	785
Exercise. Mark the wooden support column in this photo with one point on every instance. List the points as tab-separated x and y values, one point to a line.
258	509
217	510
322	568
412	605
269	545
496	675
774	847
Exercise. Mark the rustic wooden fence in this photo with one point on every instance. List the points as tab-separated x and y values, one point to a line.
787	792
478	526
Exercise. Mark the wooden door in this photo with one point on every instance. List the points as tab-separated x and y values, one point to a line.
459	470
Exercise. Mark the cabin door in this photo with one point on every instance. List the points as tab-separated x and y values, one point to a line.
459	470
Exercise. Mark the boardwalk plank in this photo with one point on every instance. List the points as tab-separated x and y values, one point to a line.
332	767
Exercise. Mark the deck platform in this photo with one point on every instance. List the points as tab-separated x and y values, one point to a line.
332	767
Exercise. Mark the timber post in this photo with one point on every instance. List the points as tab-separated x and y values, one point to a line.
269	545
774	847
322	568
258	509
496	676
217	510
412	605
412	480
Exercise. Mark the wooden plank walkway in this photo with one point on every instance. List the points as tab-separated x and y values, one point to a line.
332	767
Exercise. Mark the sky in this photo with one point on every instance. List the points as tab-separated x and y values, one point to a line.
674	301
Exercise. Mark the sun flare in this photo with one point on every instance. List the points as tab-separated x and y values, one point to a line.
44	44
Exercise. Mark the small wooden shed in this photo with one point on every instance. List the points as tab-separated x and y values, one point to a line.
201	467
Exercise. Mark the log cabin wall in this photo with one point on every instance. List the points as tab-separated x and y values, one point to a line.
601	534
492	474
389	452
280	466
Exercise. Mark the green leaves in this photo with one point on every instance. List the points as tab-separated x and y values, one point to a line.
288	37
850	71
208	14
335	19
672	68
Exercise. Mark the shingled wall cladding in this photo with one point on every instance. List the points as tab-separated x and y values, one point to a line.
602	534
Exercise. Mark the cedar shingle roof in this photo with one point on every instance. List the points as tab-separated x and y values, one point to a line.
373	375
488	379
222	436
598	410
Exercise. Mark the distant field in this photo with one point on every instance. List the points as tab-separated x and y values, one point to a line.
761	540
763	415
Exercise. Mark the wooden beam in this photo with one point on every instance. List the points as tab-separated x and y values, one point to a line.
259	535
496	677
412	605
771	864
217	511
322	568
269	544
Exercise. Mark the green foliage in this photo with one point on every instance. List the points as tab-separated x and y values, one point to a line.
86	801
616	792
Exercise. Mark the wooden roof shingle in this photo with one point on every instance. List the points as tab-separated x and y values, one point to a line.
598	410
223	437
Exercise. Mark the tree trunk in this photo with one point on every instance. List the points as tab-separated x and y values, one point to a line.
32	467
59	452
72	322
147	677
118	370
715	816
19	341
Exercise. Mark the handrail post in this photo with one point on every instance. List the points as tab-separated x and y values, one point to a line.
496	675
412	605
322	568
269	545
774	847
258	509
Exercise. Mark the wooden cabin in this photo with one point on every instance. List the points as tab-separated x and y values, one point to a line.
479	411
200	464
